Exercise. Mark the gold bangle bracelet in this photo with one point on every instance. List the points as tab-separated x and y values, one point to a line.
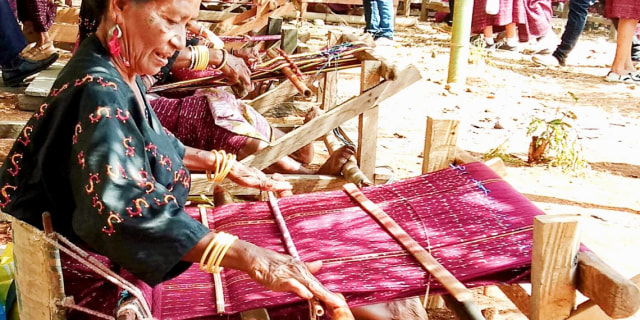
225	55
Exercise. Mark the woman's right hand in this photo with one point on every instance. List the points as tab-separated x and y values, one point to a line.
236	71
282	273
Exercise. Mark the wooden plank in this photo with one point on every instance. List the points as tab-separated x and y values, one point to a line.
589	310
302	183
260	21
29	103
68	15
616	295
368	122
10	129
215	16
64	32
439	144
41	85
553	266
320	125
349	19
518	295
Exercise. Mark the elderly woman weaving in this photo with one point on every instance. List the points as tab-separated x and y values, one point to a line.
213	118
98	159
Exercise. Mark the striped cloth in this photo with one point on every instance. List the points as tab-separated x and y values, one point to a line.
211	119
475	224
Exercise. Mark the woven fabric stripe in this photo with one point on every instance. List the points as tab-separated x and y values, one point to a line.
476	224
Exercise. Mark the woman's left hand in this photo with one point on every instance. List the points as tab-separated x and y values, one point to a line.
254	178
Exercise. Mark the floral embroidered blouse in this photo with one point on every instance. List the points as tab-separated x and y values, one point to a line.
108	173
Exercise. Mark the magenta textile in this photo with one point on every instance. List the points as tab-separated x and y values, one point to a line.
510	11
199	122
533	17
629	9
538	20
474	222
41	13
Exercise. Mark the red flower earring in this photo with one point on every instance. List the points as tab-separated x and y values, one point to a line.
115	33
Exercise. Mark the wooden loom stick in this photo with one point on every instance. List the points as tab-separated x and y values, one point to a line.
315	309
299	84
426	260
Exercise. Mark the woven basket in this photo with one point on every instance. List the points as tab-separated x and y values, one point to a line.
38	272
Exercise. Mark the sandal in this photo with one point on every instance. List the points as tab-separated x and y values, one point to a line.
627	78
39	53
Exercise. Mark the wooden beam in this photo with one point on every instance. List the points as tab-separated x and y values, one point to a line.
260	21
10	129
518	295
439	144
320	125
64	32
368	122
215	16
349	19
589	310
616	295
68	15
302	183
29	103
553	266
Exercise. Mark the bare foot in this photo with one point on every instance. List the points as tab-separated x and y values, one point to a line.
336	161
304	155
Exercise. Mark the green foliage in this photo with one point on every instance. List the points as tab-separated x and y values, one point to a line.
563	149
501	152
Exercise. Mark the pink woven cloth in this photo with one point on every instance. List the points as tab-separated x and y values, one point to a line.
533	17
510	11
629	9
474	223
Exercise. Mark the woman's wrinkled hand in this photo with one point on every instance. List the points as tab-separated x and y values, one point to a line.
236	71
254	178
282	273
251	56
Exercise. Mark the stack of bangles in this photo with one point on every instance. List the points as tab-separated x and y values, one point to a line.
215	251
223	161
200	58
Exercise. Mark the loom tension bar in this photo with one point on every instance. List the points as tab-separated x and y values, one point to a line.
315	309
459	292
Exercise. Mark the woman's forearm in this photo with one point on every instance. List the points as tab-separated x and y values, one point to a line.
184	58
239	256
198	160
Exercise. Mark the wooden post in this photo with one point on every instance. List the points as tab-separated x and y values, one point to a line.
368	122
553	266
330	81
440	144
289	39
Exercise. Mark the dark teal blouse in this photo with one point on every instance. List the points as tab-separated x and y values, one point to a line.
108	173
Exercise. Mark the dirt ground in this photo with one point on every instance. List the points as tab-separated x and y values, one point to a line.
502	94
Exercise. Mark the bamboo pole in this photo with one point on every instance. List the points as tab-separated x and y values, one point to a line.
462	15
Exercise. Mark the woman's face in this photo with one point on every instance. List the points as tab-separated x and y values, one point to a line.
153	31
